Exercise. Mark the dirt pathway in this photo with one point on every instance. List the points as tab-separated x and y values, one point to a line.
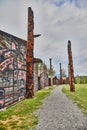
60	113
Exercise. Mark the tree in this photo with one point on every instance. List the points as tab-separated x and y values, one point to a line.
52	71
63	73
77	79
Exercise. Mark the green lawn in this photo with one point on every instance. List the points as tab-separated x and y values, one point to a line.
21	116
79	96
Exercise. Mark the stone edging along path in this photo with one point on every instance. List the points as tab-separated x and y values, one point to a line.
60	113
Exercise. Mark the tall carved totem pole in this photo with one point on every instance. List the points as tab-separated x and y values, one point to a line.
51	76
61	80
70	68
29	56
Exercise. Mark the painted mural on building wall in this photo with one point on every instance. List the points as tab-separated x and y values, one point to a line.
35	78
12	69
44	80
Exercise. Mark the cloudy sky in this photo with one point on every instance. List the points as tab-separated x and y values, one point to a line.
57	21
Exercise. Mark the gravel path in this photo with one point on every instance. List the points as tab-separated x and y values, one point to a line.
60	113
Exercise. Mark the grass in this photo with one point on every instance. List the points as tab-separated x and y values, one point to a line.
79	96
21	116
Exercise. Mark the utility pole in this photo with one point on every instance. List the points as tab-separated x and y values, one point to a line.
70	68
51	76
61	81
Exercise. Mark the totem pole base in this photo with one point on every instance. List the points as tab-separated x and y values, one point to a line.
29	93
72	89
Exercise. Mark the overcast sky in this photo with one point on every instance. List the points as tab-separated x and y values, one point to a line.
57	21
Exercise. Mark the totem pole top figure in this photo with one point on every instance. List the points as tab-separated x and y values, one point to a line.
30	18
69	45
30	13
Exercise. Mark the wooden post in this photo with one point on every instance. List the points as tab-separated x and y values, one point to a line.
70	68
30	56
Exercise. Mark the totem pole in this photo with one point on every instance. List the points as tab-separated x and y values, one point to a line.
60	74
70	68
30	56
51	77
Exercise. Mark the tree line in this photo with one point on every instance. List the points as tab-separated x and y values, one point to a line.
80	79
